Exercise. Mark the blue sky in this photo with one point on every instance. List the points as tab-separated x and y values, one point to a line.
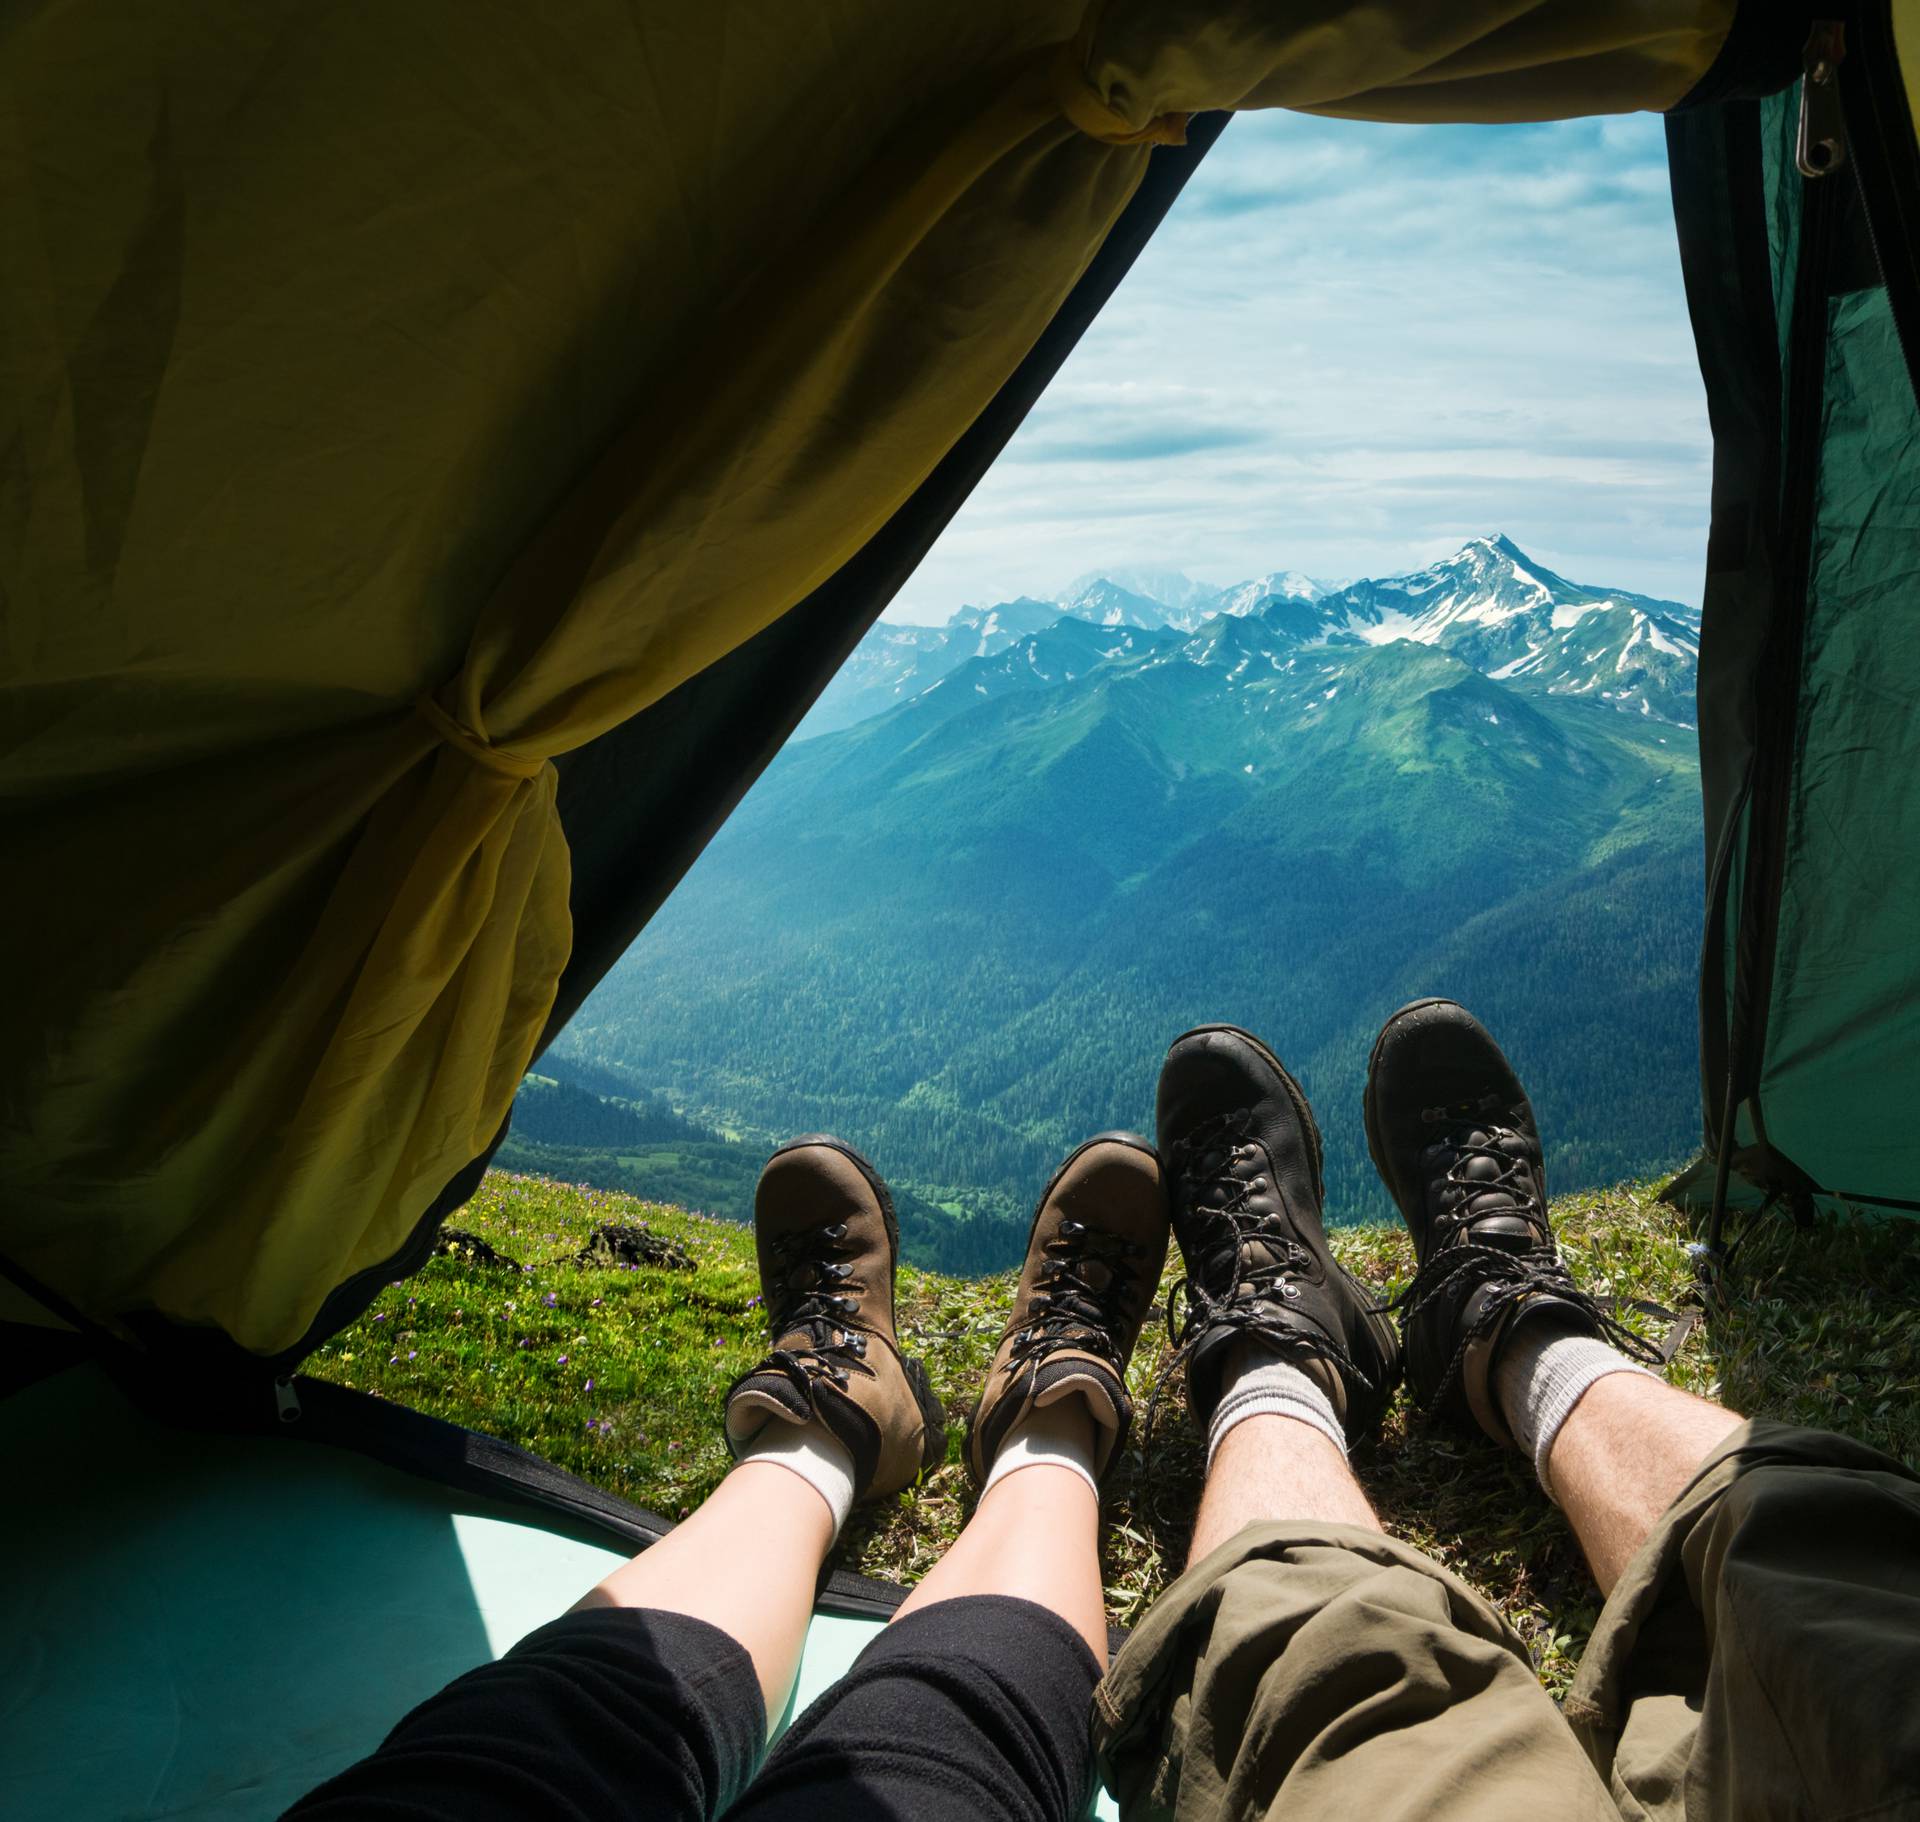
1351	346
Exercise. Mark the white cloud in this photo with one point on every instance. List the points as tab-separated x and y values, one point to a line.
1351	345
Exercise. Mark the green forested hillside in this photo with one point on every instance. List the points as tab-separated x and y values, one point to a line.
962	933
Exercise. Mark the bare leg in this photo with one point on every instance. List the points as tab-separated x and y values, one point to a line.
747	1562
1624	1452
1035	1535
1275	1467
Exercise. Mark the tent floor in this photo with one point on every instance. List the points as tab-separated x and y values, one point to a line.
204	1625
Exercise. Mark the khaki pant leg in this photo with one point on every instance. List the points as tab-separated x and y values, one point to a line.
1325	1671
1761	1655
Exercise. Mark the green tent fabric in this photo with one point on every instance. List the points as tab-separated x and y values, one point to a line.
1801	284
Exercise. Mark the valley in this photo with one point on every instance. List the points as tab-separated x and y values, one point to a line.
960	930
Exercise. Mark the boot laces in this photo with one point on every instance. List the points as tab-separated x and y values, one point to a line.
1218	1169
813	1262
1470	1132
1079	1298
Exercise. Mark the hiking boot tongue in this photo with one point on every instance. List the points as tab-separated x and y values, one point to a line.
1268	1250
1482	1208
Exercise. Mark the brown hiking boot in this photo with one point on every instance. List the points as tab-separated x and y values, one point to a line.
828	1243
1094	1256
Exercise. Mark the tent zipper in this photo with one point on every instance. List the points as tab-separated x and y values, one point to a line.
1821	149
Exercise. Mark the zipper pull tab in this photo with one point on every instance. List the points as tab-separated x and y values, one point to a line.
1822	146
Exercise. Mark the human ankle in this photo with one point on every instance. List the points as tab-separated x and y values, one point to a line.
1258	1383
1543	1372
1058	1435
815	1454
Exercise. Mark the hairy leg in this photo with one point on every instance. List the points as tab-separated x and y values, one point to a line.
1271	1467
1626	1449
747	1562
1035	1536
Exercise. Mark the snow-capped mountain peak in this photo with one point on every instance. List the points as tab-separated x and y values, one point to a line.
1278	585
992	629
1488	605
1106	603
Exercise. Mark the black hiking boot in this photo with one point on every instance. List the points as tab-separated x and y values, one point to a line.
828	1242
1243	1157
1094	1256
1453	1136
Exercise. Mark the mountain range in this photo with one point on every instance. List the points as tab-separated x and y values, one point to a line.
959	924
1488	603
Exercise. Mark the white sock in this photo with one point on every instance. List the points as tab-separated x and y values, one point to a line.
1058	1435
1273	1388
813	1452
1542	1373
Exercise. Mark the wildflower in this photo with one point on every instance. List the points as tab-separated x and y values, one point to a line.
595	1304
393	1360
413	1353
551	1299
381	1317
588	1386
562	1361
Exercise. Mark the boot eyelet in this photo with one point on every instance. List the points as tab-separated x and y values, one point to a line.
1290	1291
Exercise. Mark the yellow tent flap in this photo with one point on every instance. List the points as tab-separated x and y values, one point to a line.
396	398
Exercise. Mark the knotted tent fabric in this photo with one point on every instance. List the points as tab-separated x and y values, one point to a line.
398	400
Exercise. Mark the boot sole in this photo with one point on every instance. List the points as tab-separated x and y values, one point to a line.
933	1415
1382	1329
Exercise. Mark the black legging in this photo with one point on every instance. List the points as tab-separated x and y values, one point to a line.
965	1711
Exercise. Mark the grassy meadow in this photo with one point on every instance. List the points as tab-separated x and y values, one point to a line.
616	1373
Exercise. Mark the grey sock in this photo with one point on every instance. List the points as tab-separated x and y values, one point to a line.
1274	1388
1542	1374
